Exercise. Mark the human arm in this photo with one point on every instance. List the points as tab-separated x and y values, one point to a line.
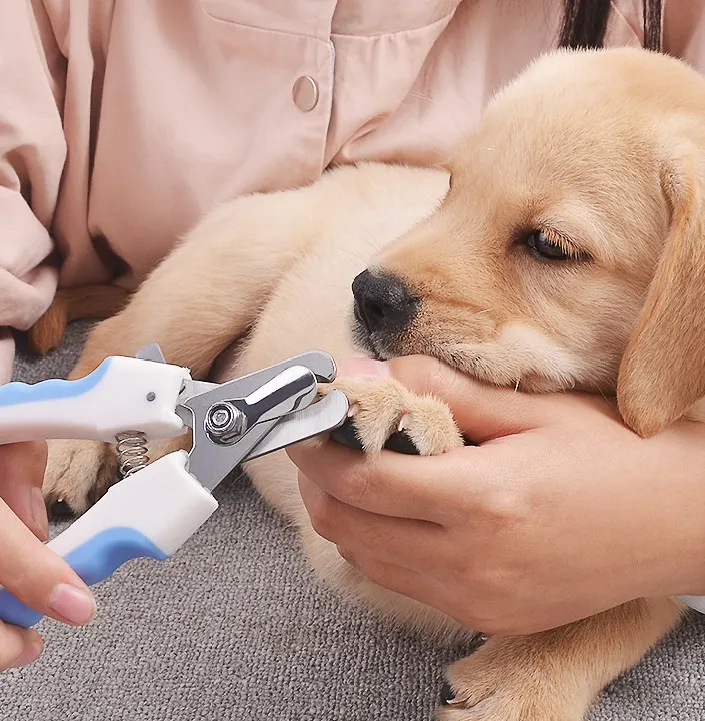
32	157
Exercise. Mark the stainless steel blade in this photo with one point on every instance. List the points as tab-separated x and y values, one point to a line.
199	396
151	352
325	415
289	390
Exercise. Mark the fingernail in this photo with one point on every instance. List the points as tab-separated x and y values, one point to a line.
39	514
74	605
30	654
362	368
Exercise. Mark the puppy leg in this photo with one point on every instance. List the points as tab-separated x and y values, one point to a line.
201	298
549	676
77	474
211	288
557	674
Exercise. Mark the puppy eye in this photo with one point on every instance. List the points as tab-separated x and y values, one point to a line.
541	245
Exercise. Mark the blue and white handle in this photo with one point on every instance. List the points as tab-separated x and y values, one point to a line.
121	394
147	515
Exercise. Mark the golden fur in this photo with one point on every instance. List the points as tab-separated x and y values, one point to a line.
603	152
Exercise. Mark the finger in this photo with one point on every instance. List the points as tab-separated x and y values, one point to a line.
22	468
482	411
401	541
18	646
38	577
424	488
412	584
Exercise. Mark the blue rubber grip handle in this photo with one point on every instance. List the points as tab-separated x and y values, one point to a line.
93	561
14	393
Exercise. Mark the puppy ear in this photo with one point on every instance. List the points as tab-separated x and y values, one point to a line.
663	368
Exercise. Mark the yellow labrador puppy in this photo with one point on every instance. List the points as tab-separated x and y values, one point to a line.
567	251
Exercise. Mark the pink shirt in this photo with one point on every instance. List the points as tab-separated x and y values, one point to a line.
123	121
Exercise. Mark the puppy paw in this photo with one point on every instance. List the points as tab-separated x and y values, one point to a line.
78	473
384	414
511	679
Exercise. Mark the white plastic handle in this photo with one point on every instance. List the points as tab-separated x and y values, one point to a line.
162	502
148	515
121	394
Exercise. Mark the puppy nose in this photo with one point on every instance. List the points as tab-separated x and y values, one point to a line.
383	302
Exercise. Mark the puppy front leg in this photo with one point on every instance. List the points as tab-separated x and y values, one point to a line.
209	290
555	675
195	303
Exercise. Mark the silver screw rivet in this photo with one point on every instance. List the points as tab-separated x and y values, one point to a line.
220	417
225	423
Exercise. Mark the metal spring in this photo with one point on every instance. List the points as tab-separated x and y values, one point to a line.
132	452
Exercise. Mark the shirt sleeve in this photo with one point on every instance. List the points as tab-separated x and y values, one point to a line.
32	157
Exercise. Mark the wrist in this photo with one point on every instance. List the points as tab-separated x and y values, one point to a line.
691	579
684	557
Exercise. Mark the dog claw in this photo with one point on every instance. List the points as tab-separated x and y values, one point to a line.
447	694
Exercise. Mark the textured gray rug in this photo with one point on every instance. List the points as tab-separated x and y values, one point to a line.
234	627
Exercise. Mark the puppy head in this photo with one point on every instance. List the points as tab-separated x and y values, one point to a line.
569	250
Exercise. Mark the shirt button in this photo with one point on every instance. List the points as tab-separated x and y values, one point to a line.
305	93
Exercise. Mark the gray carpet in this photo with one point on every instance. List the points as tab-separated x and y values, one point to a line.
235	628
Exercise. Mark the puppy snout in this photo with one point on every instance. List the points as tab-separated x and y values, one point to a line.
383	302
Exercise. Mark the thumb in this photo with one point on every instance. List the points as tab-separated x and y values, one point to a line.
482	411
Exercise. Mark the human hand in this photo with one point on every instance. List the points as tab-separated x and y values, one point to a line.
30	571
559	513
